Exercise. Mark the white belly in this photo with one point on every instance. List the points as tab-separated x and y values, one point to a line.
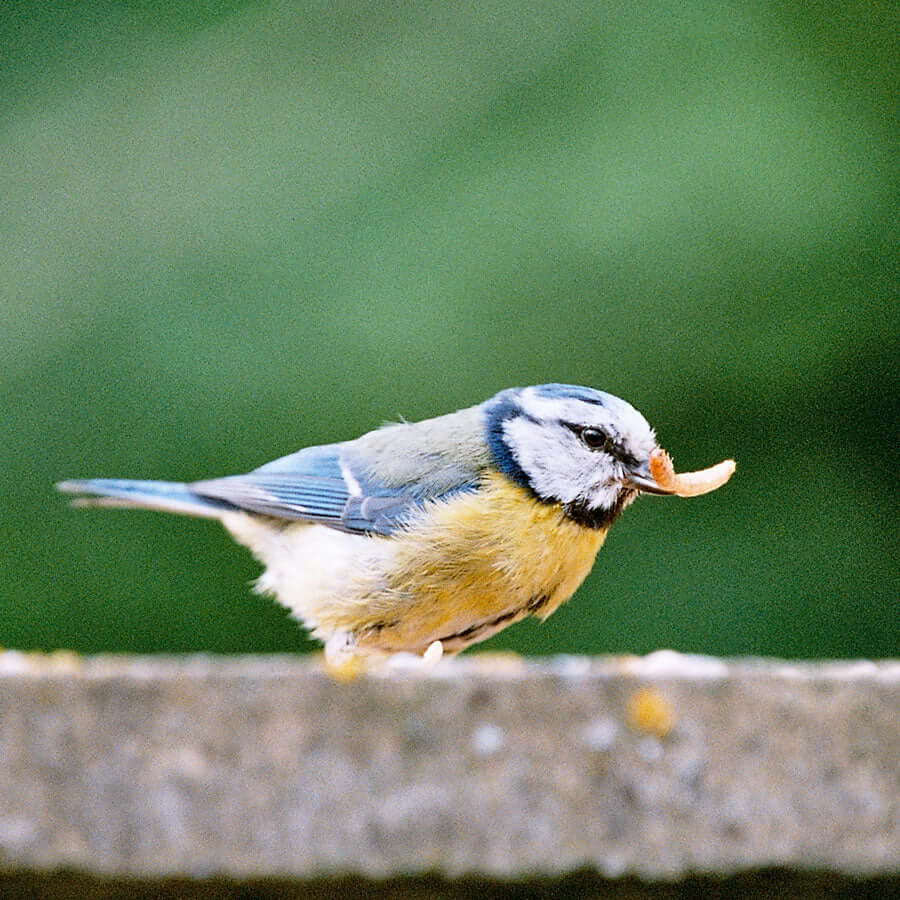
321	575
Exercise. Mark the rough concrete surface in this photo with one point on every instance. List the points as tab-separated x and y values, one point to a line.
659	767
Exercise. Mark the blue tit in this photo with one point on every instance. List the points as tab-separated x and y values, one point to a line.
434	535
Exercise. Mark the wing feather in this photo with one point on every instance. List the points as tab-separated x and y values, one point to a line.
320	485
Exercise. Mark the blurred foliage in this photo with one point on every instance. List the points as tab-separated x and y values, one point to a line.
231	230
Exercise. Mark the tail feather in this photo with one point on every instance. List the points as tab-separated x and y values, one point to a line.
165	496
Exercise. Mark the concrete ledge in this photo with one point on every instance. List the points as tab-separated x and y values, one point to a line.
661	768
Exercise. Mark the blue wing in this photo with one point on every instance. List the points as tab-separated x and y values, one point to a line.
335	484
320	484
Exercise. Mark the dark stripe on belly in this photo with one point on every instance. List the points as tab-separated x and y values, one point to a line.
531	607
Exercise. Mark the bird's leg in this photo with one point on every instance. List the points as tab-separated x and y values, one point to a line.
342	659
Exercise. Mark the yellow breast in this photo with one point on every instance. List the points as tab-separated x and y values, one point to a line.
468	567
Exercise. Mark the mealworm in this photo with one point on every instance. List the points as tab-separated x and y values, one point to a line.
688	484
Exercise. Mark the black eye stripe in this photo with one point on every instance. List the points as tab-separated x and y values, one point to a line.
595	438
611	446
588	430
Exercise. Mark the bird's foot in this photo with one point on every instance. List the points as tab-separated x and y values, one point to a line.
413	662
343	661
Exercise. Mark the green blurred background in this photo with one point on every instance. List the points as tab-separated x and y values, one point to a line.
232	230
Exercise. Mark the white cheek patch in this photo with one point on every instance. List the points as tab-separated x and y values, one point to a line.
603	496
557	464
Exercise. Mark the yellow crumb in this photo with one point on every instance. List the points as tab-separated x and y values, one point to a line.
649	711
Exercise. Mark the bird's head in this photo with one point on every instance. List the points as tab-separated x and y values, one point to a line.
582	449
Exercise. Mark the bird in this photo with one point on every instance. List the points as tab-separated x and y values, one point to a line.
424	538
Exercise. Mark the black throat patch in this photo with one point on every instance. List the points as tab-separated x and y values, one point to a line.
592	517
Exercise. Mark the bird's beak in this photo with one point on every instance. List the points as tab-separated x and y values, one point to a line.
641	479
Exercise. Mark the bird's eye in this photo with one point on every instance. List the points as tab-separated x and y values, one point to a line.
594	438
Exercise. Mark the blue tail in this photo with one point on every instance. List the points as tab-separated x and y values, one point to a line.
166	496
